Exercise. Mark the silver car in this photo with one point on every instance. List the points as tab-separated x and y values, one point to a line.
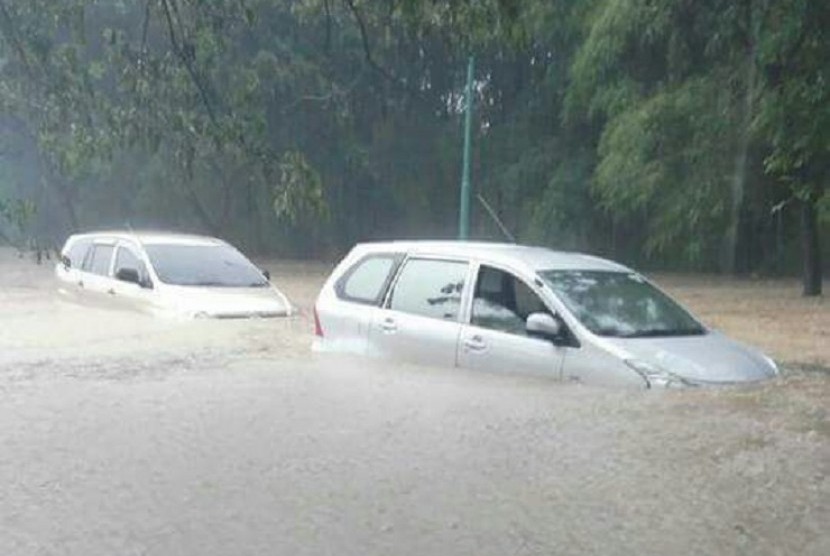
168	274
511	308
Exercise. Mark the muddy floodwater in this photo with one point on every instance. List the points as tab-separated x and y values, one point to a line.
124	434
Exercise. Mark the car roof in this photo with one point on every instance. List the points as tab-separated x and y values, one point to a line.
149	237
510	254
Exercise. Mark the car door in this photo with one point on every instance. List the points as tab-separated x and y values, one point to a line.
95	278
69	270
495	338
346	309
130	294
420	318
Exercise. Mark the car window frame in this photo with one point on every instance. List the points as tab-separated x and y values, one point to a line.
538	287
516	276
340	285
463	307
144	271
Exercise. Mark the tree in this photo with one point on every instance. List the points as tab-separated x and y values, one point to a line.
796	114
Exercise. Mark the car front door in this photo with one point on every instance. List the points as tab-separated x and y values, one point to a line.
128	293
495	338
419	320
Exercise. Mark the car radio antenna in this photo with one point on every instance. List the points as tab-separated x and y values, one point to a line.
134	234
496	219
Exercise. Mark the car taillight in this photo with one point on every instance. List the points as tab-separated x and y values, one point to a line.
318	330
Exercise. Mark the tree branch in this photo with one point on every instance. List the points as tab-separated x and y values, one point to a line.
177	47
145	26
10	31
367	50
328	26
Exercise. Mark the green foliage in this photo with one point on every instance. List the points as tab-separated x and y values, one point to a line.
665	158
795	112
299	192
19	213
652	130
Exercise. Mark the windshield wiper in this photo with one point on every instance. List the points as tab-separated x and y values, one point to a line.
218	284
611	332
663	332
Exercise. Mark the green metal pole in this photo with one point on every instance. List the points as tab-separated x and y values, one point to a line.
464	207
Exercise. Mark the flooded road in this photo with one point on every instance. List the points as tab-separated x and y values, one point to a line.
123	434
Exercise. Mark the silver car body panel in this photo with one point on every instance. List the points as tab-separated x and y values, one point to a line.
375	330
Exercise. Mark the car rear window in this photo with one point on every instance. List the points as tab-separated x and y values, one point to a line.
366	281
430	288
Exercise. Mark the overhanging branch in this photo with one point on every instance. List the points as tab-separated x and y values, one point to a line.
187	62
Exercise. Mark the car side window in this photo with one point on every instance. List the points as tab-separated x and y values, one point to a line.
430	288
125	258
98	259
366	281
503	302
77	253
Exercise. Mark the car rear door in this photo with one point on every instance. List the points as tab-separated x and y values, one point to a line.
95	278
346	306
495	338
69	270
419	320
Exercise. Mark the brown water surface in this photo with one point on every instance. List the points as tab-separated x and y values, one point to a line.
125	434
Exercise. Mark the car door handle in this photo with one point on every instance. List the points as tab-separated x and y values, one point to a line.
475	343
111	291
389	326
80	283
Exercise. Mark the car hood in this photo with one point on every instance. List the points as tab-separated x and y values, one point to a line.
221	302
708	358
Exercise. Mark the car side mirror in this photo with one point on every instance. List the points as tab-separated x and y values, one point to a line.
543	325
129	275
267	274
66	262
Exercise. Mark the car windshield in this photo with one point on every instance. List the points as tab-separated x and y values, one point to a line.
204	265
620	304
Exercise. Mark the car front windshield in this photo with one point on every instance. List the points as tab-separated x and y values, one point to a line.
620	304
203	265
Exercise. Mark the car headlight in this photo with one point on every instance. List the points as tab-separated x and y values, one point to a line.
655	376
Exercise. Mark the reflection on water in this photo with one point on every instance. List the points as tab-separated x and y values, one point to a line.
122	433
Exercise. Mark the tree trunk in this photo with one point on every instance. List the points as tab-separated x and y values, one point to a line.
67	201
736	262
52	179
810	246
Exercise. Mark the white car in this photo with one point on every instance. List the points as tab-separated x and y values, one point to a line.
512	308
166	273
